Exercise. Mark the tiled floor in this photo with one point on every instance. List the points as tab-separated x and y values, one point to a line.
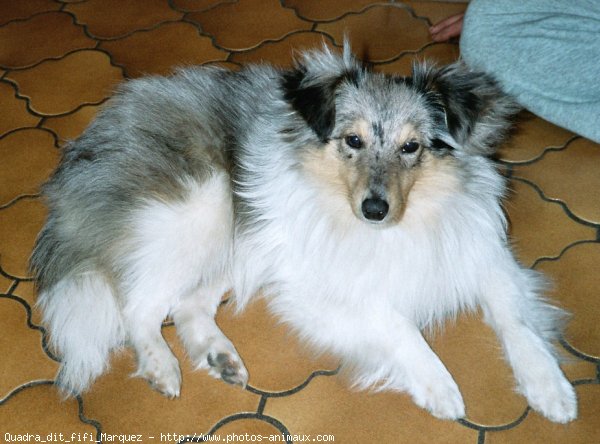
59	61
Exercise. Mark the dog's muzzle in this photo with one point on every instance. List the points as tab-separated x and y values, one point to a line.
375	209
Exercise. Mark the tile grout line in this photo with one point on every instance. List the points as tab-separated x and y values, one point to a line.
558	201
404	53
511	425
208	8
562	252
84	419
261	404
481	437
15	391
58	59
92	36
33	15
40	128
40	115
293	390
577	353
545	150
380	4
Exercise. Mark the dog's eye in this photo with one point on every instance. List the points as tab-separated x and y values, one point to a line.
410	147
353	141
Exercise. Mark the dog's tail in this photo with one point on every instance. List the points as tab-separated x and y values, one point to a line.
78	306
84	323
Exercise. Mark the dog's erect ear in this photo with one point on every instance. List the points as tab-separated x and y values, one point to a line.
311	86
469	105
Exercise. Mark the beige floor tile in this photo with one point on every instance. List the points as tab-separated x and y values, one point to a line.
282	52
101	21
160	51
327	407
570	175
242	25
19	226
83	77
10	10
23	359
319	10
45	36
437	53
536	429
473	355
28	158
71	126
578	369
540	228
384	41
38	410
532	136
576	280
275	359
5	284
14	113
128	405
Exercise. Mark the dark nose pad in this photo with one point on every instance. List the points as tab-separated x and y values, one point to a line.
375	209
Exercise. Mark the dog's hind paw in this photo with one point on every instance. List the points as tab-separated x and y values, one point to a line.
163	376
222	362
229	368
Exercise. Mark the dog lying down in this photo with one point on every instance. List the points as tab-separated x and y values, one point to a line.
364	206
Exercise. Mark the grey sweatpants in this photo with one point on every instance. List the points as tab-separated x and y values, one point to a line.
546	53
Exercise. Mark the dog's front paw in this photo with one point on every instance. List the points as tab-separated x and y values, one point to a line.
439	395
163	375
554	397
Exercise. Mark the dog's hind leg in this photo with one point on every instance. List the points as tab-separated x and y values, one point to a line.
178	247
205	343
156	363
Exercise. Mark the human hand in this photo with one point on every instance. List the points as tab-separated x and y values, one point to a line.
448	28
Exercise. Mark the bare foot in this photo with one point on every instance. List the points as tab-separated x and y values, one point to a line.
448	28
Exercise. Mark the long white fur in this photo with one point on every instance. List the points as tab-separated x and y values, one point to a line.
364	293
85	324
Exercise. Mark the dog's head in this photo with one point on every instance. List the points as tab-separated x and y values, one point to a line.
375	135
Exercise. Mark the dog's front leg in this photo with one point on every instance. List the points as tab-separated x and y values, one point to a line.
426	378
388	351
525	324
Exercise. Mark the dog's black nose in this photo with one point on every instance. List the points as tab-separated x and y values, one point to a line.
375	209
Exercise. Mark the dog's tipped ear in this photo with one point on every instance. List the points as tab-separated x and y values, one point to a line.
314	101
311	86
470	106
